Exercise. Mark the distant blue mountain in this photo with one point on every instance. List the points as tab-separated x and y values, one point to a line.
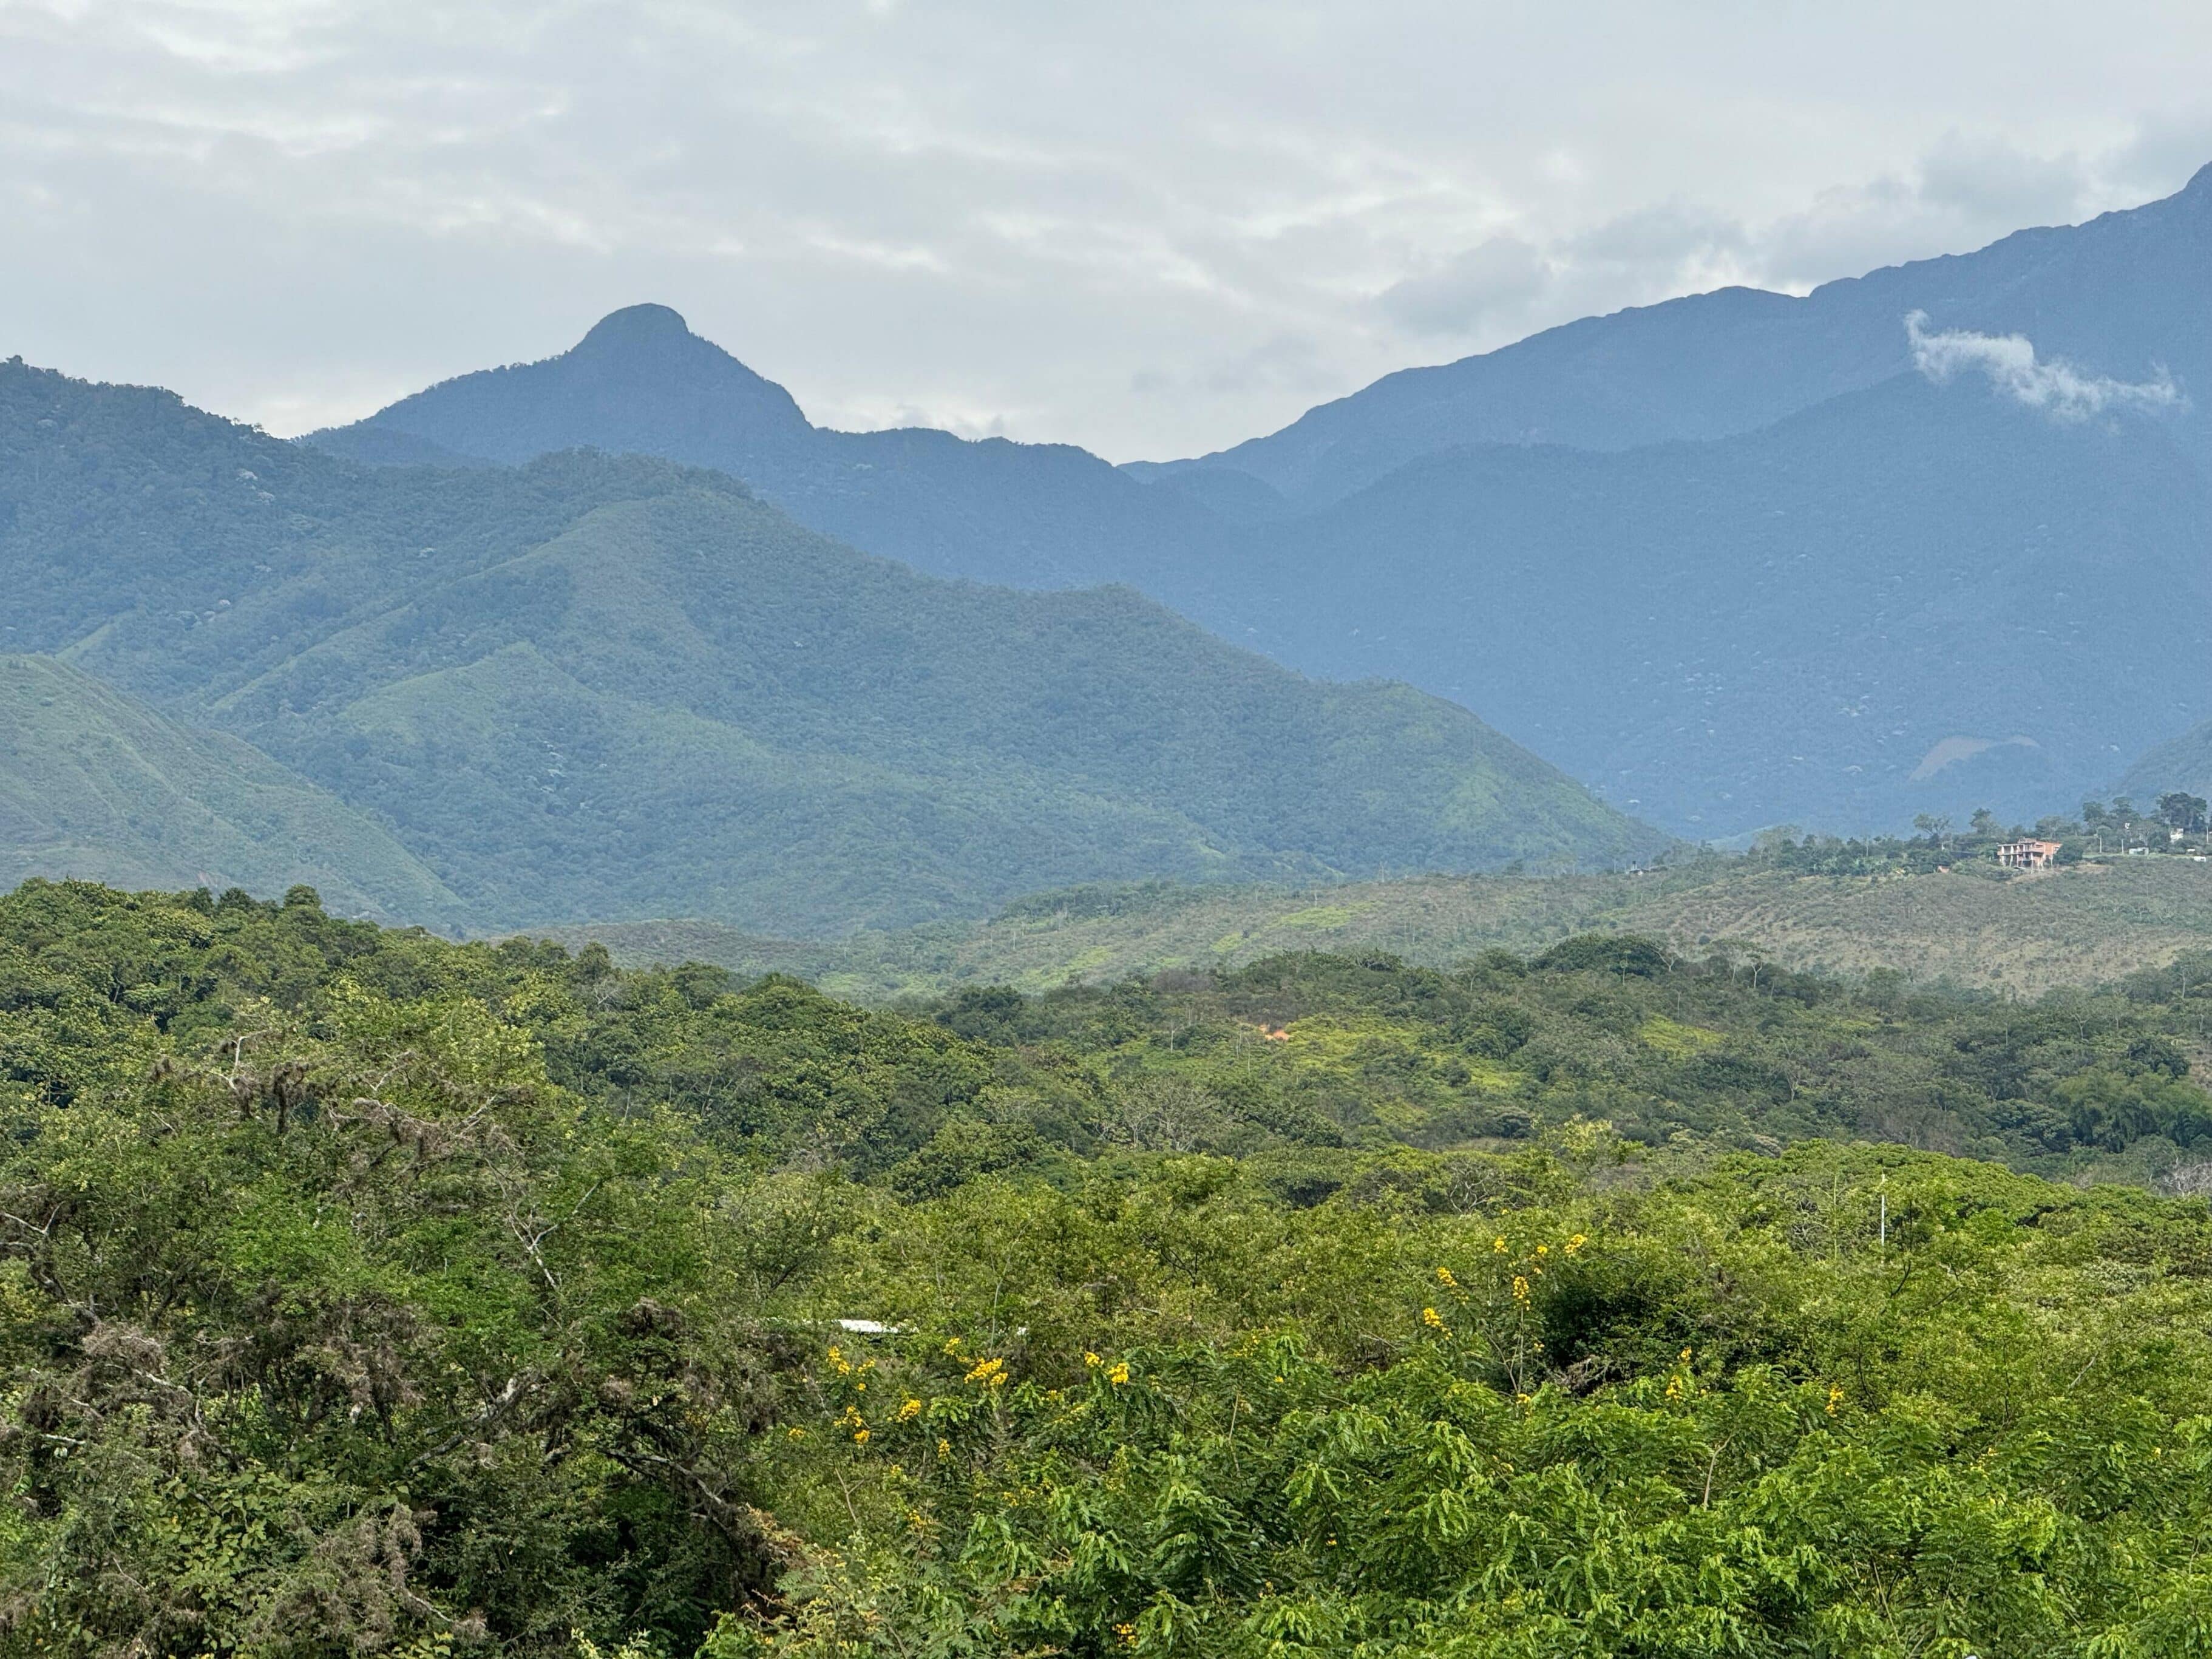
2123	295
1734	559
1028	516
1840	620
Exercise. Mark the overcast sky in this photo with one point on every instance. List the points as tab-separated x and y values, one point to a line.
1150	229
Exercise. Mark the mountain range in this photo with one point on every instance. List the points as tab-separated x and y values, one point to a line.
1923	540
596	686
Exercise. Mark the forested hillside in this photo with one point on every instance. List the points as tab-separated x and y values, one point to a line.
96	784
360	1292
1889	605
1738	560
1883	600
594	688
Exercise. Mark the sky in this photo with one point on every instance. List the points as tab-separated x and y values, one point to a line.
1151	229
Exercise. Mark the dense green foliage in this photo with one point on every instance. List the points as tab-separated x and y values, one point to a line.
92	782
593	688
362	1293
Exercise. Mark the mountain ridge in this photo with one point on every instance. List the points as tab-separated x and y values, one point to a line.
1322	456
601	685
1375	568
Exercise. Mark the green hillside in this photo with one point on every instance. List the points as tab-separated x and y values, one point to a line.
599	688
364	1293
96	784
2082	925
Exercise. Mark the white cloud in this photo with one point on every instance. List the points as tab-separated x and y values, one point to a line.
1153	228
2053	385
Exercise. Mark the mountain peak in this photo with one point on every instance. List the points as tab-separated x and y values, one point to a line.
637	326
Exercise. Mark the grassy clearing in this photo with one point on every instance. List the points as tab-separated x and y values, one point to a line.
1967	927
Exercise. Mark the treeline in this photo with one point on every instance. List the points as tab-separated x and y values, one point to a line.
365	1293
2178	823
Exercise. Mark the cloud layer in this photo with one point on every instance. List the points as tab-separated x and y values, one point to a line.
1152	228
2053	385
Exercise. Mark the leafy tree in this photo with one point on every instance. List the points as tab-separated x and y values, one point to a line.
2183	812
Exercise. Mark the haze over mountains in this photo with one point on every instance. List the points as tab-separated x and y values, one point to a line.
1734	559
594	687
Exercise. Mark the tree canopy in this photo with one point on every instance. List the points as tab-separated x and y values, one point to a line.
365	1293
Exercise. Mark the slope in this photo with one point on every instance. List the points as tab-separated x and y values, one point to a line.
600	687
96	784
1841	620
2184	763
2122	296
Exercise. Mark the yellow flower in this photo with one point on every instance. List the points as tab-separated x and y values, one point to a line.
1444	1278
859	1437
1835	1397
909	1411
953	1347
986	1371
1674	1387
1575	1243
1543	1249
1686	1356
1432	1319
1497	1246
1128	1633
1119	1374
797	1434
1520	1290
838	1362
944	1448
1092	1360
